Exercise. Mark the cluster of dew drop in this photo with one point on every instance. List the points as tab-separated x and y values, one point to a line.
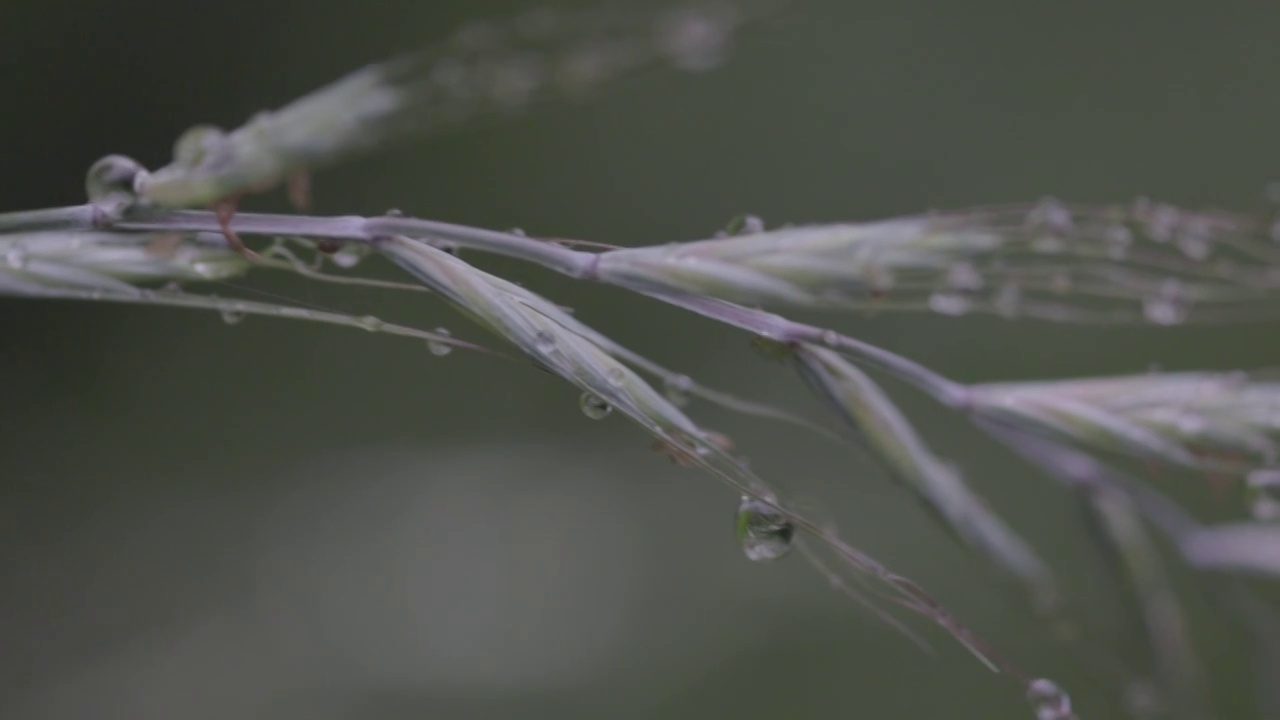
1090	253
1050	224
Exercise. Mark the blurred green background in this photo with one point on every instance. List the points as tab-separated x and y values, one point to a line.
280	520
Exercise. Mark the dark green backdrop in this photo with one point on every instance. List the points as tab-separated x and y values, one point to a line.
279	520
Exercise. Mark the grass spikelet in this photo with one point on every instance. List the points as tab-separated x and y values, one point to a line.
886	431
1142	263
111	261
1226	422
546	333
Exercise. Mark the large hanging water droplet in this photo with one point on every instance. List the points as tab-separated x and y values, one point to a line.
763	531
593	406
1049	700
437	347
677	388
1262	492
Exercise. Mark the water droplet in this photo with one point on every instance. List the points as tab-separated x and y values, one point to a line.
16	259
438	348
616	377
1262	492
1118	239
831	338
1049	701
743	225
232	315
518	231
112	178
204	269
710	441
1195	246
1052	215
593	406
1168	306
677	388
348	256
763	531
544	342
949	303
371	323
964	276
1162	221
